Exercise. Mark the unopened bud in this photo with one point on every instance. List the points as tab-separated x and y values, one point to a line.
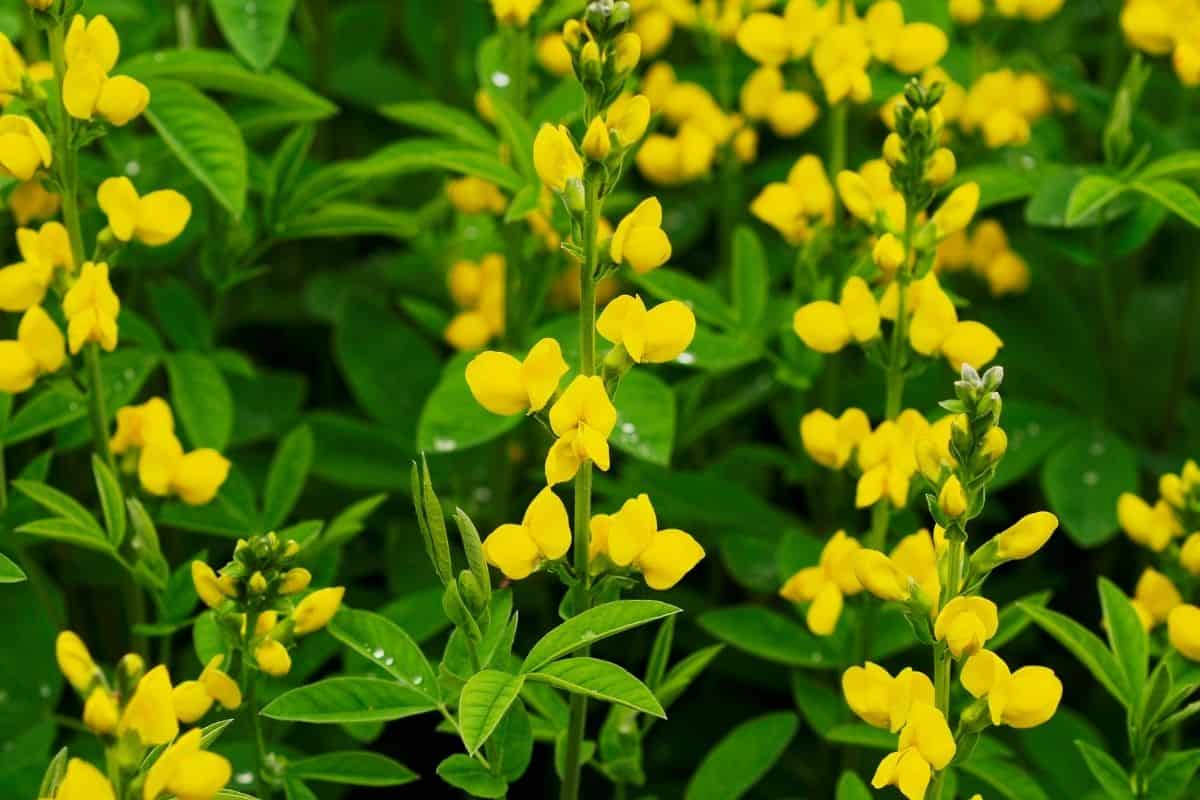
596	142
941	167
258	583
893	149
627	50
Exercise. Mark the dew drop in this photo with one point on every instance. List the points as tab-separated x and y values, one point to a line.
417	680
1096	448
1091	478
686	358
444	445
501	79
378	653
244	778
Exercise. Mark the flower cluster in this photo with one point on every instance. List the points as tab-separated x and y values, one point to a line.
797	206
137	709
92	48
146	439
254	599
1002	105
478	289
969	12
986	252
1166	27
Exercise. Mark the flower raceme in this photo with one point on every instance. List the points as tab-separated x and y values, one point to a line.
92	48
827	327
826	585
503	385
24	149
653	336
881	700
630	539
91	307
582	418
926	745
1022	699
154	219
43	253
39	349
543	535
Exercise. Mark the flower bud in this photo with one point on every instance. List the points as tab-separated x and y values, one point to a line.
956	212
941	167
1183	630
74	660
596	142
572	33
315	611
206	584
880	576
1189	554
272	658
952	500
295	580
1026	537
258	583
888	253
589	62
627	49
893	149
995	444
39	5
100	713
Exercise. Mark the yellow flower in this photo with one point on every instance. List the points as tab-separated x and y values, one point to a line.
138	425
830	441
544	534
272	658
91	307
74	661
194	477
856	195
942	166
315	610
759	92
1022	699
840	60
30	201
966	12
916	557
764	37
91	53
471	195
655	27
82	781
43	251
1155	596
210	588
628	117
966	623
1189	554
1183	630
24	149
515	13
151	710
888	253
631	538
887	459
39	349
790	207
825	585
881	576
100	713
827	327
919	46
926	745
650	337
1027	536
582	418
187	772
640	240
1152	527
555	157
792	113
881	700
596	143
935	328
952	500
154	219
553	55
295	580
955	213
503	385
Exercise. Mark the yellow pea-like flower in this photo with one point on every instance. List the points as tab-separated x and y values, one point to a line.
122	99
30	202
966	623
82	781
626	52
153	219
12	69
583	418
543	535
503	385
628	117
150	712
39	349
1156	596
596	143
881	576
295	580
553	55
316	609
94	40
1152	527
881	700
514	13
1022	699
655	336
826	585
884	22
951	499
792	113
760	91
208	586
187	772
91	307
782	207
555	158
100	713
942	166
24	149
631	538
471	195
1183	630
764	38
192	701
272	658
828	327
1028	535
956	212
830	441
141	424
926	745
856	195
966	12
840	59
916	556
888	253
639	239
195	477
919	46
75	661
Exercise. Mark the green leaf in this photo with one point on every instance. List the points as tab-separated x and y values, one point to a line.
9	571
1086	647
680	676
1126	636
706	302
442	119
255	30
599	622
822	707
1173	774
998	183
388	646
70	532
352	768
201	399
602	680
1108	773
769	635
112	500
1179	199
58	502
287	475
338	219
181	316
1006	779
207	638
452	419
484	700
851	787
465	773
338	700
1185	164
1013	618
742	758
645	418
516	132
358	454
751	279
1082	480
213	70
524	202
1089	197
203	138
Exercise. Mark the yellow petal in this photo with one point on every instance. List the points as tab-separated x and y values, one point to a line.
547	524
1035	693
512	550
647	248
272	658
21	286
191	701
162	216
122	99
859	309
822	326
594	445
541	371
495	381
18	370
671	555
118	199
219	685
151	710
74	660
631	530
81	88
199	776
158	464
670	328
82	781
315	610
971	343
826	609
935	319
616	316
562	461
199	475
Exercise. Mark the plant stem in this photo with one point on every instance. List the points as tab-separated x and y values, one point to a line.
185	24
1183	351
838	120
250	702
577	723
942	660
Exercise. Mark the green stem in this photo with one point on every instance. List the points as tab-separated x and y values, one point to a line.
250	703
1183	351
942	660
185	25
97	412
839	117
135	607
577	722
